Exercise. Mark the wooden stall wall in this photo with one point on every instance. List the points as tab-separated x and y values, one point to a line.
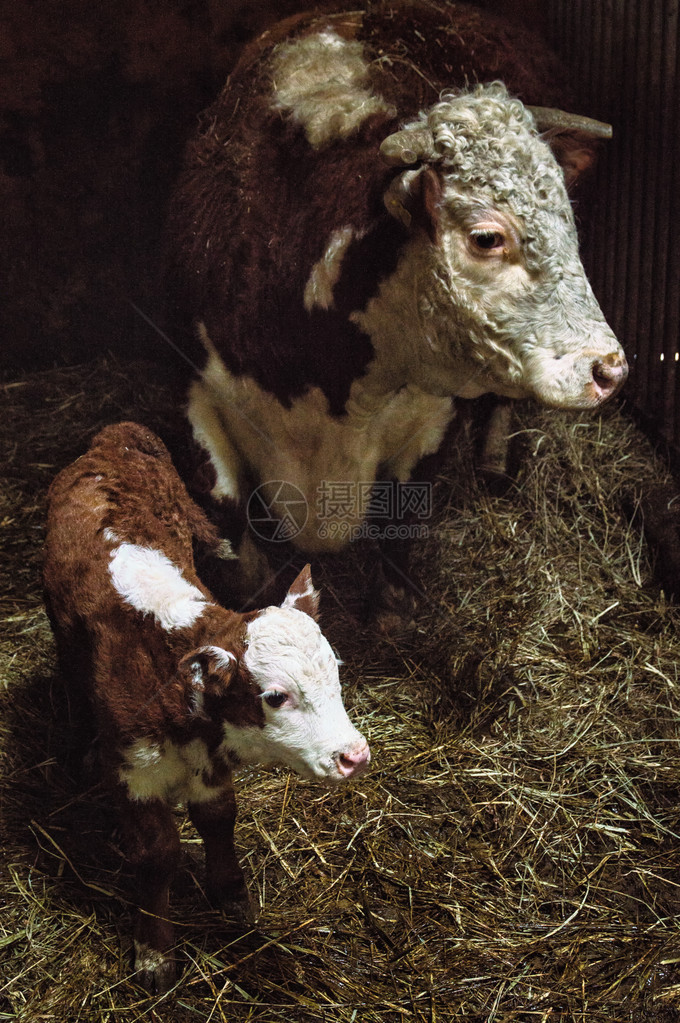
624	57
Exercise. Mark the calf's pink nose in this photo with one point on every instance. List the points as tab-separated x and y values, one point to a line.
354	761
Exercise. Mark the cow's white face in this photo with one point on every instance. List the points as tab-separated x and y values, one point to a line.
504	286
534	326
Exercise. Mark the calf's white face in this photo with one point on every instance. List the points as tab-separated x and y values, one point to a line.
306	725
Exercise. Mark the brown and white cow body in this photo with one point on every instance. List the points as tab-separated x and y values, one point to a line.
359	247
181	690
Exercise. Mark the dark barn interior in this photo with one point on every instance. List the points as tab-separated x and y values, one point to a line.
514	851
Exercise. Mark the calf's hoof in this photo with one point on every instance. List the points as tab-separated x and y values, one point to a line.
155	971
235	904
239	911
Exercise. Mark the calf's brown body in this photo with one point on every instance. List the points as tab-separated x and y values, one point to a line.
163	672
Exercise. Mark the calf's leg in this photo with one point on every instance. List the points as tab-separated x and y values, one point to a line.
151	844
71	703
214	820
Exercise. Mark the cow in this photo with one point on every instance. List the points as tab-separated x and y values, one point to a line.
365	229
180	689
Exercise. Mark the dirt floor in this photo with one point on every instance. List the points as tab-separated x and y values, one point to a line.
512	853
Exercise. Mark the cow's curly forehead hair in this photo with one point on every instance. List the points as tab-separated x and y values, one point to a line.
488	142
483	109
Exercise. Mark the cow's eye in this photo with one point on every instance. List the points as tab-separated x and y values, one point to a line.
275	698
487	240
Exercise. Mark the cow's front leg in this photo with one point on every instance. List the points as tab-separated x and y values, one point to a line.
397	594
151	845
495	451
406	491
226	888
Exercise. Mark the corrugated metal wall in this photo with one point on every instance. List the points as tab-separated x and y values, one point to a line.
624	55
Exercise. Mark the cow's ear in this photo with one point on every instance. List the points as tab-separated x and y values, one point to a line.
207	667
573	138
575	152
302	596
413	197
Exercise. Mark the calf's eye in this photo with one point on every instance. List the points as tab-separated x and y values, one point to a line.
275	698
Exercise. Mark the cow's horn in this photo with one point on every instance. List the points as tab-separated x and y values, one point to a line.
549	117
408	146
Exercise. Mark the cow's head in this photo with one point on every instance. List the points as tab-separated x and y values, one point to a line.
279	700
503	286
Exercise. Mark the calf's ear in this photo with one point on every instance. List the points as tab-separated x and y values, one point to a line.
302	596
203	667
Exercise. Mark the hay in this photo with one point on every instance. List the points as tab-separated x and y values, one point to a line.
513	852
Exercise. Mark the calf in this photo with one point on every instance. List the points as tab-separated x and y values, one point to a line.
181	690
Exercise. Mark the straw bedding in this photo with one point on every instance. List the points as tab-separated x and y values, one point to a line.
512	853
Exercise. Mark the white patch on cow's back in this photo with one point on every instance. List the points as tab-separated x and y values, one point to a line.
147	580
169	772
326	271
321	81
287	652
387	426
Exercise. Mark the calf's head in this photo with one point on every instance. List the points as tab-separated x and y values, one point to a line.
502	285
279	701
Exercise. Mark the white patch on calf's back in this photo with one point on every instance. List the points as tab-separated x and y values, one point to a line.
147	580
321	81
